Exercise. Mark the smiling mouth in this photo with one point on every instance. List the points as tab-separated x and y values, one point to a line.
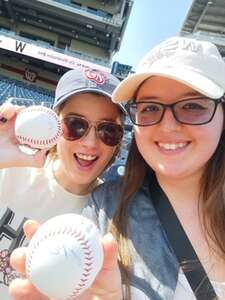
85	156
172	146
85	160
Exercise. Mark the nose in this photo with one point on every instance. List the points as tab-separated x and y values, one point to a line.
90	139
168	121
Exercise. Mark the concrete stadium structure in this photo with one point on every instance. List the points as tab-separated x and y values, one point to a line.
41	39
206	21
91	30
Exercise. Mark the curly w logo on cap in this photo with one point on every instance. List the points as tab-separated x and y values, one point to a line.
96	76
171	47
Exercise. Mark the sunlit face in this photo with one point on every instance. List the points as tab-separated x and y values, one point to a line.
170	148
81	161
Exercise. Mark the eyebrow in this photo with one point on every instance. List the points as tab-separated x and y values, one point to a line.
189	94
192	94
82	116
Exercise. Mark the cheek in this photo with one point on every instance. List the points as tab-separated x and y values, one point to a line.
143	137
63	148
108	153
208	141
211	132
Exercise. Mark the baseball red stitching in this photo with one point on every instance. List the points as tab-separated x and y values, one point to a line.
85	246
32	141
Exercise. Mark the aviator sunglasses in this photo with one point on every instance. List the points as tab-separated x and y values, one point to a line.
75	128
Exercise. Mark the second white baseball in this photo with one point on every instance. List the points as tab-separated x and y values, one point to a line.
64	256
38	127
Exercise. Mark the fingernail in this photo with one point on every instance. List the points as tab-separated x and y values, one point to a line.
47	152
3	120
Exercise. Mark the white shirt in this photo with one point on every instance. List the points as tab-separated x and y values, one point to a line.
28	193
184	291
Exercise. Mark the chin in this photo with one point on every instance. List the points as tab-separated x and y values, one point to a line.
84	180
170	171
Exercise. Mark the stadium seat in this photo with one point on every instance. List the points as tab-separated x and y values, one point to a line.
11	88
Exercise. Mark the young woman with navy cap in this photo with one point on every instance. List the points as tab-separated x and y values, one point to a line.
39	187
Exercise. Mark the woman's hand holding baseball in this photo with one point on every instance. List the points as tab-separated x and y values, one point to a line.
107	284
10	154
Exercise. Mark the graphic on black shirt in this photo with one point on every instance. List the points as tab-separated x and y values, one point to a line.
8	274
16	236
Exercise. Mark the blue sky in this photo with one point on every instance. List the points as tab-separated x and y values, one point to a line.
150	22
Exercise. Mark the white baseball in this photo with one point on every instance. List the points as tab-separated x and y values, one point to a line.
38	127
64	256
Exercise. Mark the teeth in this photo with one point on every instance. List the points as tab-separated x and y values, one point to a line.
86	157
171	146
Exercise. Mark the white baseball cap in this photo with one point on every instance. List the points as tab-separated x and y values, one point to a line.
197	64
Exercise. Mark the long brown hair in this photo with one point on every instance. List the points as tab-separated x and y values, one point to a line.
213	197
212	202
134	174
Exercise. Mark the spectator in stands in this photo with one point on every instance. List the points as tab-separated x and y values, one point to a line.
32	186
176	101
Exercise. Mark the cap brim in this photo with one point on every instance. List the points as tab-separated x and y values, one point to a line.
89	90
127	88
79	91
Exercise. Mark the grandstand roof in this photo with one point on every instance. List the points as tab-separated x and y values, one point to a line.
98	23
205	20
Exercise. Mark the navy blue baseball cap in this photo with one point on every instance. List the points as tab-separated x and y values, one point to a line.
85	81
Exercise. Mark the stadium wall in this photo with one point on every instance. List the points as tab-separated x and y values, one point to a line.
88	49
16	69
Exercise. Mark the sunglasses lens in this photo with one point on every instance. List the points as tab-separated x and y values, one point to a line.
110	133
75	128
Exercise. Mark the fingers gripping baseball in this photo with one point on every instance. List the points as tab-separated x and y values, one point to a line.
70	244
37	159
11	120
9	111
22	289
38	127
107	283
30	227
18	256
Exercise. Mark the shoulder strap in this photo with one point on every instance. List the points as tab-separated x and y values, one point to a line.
185	253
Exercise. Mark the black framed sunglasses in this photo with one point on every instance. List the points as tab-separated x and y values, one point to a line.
191	111
110	133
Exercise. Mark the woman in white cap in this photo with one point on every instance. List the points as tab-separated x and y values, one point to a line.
93	129
176	167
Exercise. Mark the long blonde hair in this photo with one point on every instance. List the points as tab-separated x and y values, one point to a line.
212	201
